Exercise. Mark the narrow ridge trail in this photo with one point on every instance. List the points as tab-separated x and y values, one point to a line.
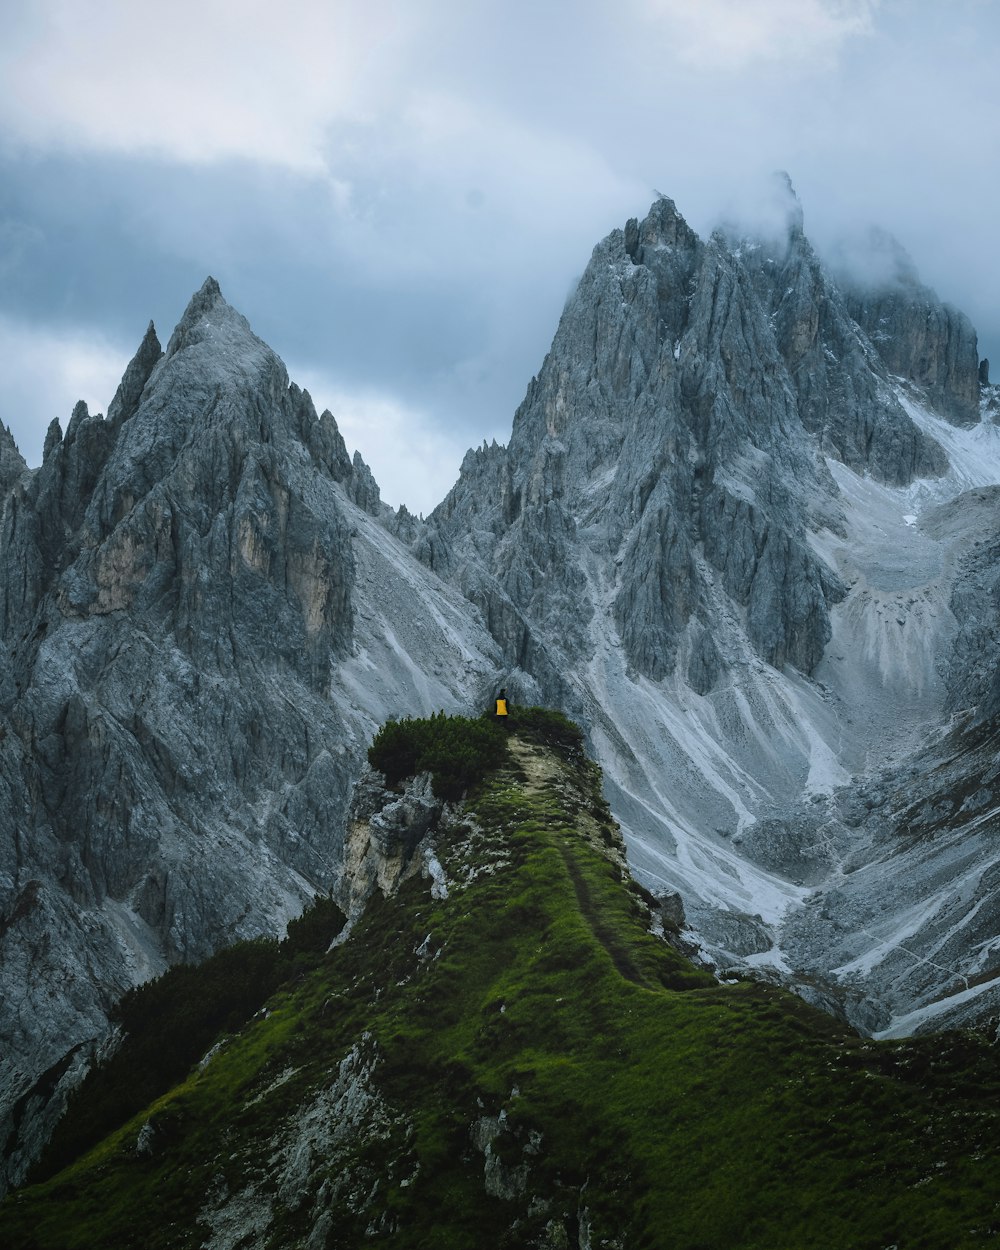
543	778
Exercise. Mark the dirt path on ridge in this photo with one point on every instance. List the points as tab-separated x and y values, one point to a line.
544	774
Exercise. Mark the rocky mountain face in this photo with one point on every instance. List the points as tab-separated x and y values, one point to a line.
671	449
917	336
203	621
743	531
739	531
508	1039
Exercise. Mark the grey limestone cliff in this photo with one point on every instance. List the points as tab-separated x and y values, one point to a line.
917	336
673	442
183	624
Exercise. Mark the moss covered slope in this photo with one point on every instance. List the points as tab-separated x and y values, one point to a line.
508	1057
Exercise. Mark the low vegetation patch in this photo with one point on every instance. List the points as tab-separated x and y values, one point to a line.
456	750
547	727
169	1023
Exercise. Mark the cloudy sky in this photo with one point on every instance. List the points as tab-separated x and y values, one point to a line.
400	194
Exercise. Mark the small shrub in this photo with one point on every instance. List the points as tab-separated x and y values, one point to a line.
546	725
456	750
313	931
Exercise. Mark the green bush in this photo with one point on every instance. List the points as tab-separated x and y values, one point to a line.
171	1022
313	931
547	726
456	750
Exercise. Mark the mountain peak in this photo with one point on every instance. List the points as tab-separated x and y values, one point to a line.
919	337
207	295
664	219
207	302
787	199
130	389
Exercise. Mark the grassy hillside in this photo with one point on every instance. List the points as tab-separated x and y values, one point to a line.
517	1061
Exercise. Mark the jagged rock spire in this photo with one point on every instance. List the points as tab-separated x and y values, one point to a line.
136	376
203	301
788	201
12	463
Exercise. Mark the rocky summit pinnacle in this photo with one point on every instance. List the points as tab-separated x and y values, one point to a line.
747	542
12	465
918	337
200	305
134	380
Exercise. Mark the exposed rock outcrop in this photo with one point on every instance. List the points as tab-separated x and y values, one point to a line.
919	338
384	830
191	668
12	465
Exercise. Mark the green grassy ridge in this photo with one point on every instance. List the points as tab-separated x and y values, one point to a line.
641	1100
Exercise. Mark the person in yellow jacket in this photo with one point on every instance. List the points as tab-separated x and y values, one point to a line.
501	709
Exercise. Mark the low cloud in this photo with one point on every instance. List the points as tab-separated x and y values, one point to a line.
196	80
399	196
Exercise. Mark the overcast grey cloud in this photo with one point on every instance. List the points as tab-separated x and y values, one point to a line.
400	196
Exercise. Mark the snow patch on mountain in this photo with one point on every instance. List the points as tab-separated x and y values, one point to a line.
973	453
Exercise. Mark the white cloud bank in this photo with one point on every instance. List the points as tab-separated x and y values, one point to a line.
208	80
735	34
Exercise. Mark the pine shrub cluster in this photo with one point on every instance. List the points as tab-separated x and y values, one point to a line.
170	1022
456	750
